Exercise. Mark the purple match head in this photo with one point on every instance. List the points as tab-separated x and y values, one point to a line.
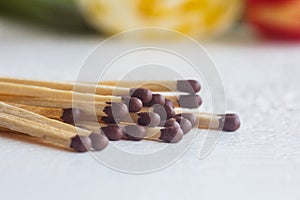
143	94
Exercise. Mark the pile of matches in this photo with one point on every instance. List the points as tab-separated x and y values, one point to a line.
123	110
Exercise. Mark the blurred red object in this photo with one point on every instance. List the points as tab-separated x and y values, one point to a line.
275	18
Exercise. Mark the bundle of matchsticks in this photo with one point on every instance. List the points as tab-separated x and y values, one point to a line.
161	111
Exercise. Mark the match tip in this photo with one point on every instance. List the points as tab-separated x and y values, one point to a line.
109	120
134	104
143	94
156	99
116	110
169	103
189	116
150	119
190	86
171	134
190	101
99	141
185	124
81	143
231	122
135	132
170	123
165	112
70	115
112	132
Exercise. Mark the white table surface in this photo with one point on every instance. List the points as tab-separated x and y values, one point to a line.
260	161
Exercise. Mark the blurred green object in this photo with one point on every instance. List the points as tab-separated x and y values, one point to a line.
62	14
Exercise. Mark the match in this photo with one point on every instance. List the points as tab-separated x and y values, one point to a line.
166	134
185	101
164	111
188	86
225	122
117	110
113	132
142	93
12	89
178	121
64	115
156	99
149	119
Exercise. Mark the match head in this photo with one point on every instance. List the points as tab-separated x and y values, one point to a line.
169	102
165	112
116	110
185	124
170	123
190	101
112	132
99	141
70	115
135	132
189	116
109	120
156	99
189	86
81	143
150	119
134	104
143	94
230	122
171	134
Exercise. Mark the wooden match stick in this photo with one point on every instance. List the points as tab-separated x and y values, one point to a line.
185	101
169	134
113	132
8	90
24	121
64	115
189	86
149	119
164	111
142	93
178	121
225	122
157	99
117	110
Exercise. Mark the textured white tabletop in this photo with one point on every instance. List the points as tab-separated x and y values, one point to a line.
260	161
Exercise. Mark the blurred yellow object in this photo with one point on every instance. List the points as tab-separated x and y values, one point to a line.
197	18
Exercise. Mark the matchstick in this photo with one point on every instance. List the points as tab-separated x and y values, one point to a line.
24	121
166	134
8	90
156	99
149	119
178	121
113	132
164	111
117	110
64	115
189	86
225	122
185	101
142	93
189	116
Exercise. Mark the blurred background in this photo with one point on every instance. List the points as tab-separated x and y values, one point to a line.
201	19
